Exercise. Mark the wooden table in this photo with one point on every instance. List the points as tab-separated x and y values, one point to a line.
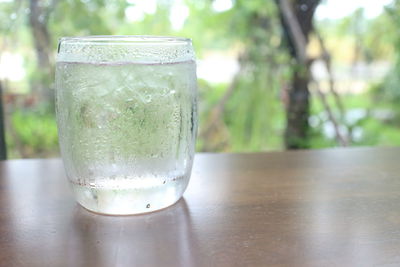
338	207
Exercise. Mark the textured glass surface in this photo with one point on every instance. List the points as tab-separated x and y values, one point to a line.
127	127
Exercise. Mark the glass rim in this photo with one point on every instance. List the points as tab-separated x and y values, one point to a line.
134	39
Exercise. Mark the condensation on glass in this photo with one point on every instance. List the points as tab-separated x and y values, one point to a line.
127	119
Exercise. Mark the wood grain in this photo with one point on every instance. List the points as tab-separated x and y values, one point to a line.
338	207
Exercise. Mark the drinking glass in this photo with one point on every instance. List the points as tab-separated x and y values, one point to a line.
127	120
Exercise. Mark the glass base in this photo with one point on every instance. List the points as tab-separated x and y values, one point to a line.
129	196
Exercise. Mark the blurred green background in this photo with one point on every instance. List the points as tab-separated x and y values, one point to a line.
263	84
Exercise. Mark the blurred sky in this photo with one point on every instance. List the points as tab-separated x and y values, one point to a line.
336	9
328	9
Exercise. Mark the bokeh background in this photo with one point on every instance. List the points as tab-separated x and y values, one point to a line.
273	75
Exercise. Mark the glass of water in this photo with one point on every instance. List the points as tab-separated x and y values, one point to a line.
127	119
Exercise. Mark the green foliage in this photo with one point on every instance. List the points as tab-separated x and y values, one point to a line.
96	17
37	133
253	117
390	90
379	37
377	133
390	87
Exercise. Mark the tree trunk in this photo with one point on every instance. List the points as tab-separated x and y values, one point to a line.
297	127
41	39
296	18
3	147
